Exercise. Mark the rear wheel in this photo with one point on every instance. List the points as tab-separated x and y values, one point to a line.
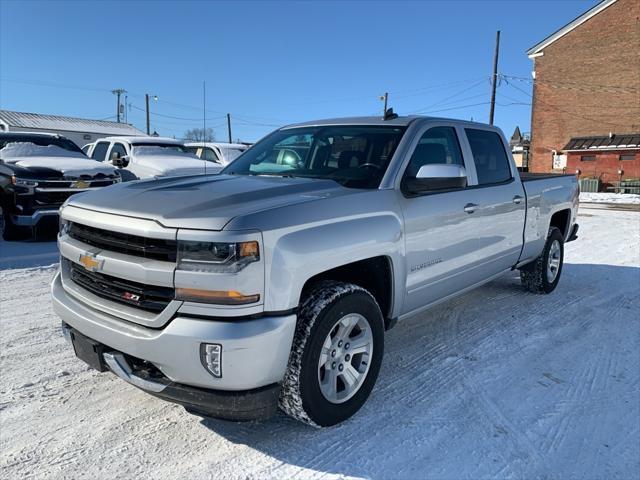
336	354
543	274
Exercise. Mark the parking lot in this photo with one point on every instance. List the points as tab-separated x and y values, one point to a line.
496	383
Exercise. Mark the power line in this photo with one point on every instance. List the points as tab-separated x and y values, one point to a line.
176	118
444	100
54	85
554	107
458	108
583	87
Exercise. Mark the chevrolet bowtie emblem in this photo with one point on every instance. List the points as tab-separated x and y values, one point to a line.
80	184
90	262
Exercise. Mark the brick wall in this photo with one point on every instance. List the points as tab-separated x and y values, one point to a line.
606	165
603	51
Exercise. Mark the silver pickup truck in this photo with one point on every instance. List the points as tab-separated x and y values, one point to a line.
272	284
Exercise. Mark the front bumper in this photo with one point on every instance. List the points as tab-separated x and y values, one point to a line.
34	218
255	353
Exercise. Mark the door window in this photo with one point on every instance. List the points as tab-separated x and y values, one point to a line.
437	145
489	155
209	155
117	151
100	151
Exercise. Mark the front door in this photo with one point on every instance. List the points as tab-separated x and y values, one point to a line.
440	229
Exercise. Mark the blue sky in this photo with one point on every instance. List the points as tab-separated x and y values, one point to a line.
270	63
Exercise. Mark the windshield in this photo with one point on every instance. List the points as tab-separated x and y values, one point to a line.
153	149
354	156
39	141
230	154
15	150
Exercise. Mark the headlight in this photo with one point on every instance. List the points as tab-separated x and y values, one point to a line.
216	257
63	226
24	182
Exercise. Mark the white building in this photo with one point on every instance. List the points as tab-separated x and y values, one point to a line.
79	130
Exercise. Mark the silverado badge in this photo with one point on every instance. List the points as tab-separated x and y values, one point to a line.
90	262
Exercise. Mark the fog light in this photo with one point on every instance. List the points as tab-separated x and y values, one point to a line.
211	358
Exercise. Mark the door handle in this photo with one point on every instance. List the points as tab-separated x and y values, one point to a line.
470	207
517	199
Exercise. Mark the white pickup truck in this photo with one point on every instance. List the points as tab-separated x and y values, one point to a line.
273	283
148	157
217	152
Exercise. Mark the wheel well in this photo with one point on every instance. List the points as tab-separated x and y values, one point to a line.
560	220
373	274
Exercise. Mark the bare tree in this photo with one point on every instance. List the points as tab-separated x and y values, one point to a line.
199	135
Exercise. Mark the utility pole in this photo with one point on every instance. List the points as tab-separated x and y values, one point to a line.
118	92
385	97
146	101
229	126
494	78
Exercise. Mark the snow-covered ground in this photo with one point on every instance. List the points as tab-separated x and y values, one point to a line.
604	197
497	383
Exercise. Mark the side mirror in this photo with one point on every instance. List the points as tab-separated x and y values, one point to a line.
120	162
438	176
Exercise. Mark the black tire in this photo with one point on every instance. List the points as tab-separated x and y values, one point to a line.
10	231
534	275
323	305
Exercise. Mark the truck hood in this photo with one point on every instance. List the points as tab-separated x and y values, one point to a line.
205	202
67	166
174	165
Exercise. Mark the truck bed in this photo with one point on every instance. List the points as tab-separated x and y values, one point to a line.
528	177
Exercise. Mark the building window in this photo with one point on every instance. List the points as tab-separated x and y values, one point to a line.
588	158
628	156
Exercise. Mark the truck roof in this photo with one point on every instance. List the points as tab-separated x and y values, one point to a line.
400	121
133	140
17	133
217	144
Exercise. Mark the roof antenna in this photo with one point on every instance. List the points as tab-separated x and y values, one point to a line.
389	115
204	119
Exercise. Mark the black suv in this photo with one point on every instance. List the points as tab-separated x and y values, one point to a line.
38	172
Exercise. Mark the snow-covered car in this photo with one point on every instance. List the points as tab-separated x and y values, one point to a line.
38	172
217	152
149	157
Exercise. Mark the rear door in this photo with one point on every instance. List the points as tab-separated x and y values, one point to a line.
500	202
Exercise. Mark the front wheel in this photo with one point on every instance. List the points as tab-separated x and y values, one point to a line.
543	274
336	355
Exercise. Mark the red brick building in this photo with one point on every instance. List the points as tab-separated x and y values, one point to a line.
586	94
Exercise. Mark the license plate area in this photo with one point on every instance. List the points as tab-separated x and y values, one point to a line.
89	351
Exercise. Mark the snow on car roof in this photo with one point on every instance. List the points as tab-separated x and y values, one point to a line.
217	144
143	140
